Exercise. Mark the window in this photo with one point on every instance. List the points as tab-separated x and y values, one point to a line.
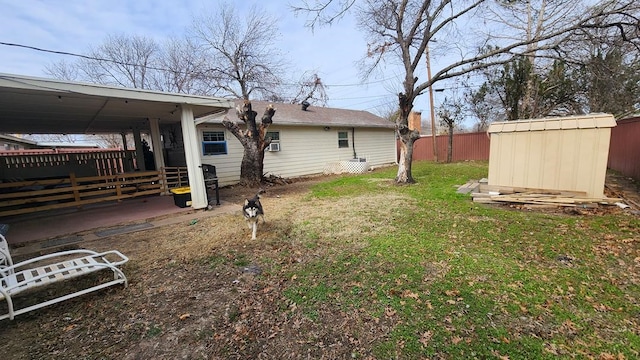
274	135
343	139
275	140
213	143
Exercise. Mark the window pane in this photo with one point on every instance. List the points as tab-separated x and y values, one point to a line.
213	135
274	135
343	139
214	148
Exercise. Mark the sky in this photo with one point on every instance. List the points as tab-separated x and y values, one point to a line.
73	26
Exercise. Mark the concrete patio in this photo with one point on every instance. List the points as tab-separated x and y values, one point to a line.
48	230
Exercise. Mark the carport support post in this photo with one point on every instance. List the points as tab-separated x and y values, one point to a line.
156	144
192	155
139	151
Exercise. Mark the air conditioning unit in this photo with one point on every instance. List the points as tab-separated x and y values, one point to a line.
274	147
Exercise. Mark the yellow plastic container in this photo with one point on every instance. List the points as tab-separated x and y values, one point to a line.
182	196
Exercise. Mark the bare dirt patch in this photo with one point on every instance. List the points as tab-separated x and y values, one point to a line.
205	290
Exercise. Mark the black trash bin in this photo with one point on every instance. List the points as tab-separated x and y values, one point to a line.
210	182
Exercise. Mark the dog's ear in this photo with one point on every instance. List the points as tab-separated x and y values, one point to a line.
246	201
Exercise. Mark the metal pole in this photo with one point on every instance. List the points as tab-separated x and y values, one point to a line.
433	114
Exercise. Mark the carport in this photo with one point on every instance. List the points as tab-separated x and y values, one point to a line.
30	105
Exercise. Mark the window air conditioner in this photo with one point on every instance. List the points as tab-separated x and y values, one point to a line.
274	147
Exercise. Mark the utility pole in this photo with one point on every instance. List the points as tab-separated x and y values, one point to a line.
433	113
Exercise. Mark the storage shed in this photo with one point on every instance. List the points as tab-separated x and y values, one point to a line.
556	154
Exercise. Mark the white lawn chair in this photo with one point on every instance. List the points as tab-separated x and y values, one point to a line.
53	268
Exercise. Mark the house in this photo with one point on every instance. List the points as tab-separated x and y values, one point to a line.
186	130
16	144
308	141
9	143
31	105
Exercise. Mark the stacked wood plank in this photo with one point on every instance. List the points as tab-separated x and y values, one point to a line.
483	193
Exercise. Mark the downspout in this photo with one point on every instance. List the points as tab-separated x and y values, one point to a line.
353	142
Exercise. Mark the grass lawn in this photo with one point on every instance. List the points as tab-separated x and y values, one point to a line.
450	278
357	267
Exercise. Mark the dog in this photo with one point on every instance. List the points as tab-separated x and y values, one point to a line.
252	211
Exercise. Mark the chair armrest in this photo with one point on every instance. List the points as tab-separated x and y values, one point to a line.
16	267
5	256
54	269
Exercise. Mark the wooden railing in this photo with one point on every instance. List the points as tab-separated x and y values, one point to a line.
175	177
24	197
41	163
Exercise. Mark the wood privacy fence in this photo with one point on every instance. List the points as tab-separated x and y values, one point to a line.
51	163
466	146
22	197
624	151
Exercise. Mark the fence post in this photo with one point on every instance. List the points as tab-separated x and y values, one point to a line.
74	186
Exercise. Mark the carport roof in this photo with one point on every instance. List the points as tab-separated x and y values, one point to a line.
30	105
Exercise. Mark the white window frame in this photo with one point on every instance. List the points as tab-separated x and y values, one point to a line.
343	142
222	142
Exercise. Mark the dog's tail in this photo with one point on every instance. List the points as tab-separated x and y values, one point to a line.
261	191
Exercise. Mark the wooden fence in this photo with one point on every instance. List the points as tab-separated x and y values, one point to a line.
466	146
52	163
623	151
22	197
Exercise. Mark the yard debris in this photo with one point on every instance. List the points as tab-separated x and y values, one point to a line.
274	180
532	198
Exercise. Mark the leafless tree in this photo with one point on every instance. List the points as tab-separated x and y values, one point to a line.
451	114
121	60
244	63
63	70
243	59
402	30
183	67
311	88
253	139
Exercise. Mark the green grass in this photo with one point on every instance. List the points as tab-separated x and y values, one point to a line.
464	280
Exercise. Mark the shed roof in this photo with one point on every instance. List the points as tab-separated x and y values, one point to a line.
292	114
588	121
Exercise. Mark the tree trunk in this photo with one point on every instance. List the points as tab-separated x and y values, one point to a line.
407	138
404	165
251	169
253	141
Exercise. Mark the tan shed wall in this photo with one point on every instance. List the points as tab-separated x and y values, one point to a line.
559	156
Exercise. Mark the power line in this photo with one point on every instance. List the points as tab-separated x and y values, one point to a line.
152	67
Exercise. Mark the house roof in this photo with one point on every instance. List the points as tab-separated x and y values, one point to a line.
17	139
32	105
588	121
292	114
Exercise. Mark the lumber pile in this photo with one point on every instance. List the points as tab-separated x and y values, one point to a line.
483	193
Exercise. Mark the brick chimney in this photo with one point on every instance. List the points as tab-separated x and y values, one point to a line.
415	121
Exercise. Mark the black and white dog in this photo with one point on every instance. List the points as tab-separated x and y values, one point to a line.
252	211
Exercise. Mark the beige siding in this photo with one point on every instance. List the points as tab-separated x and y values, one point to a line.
304	150
308	150
555	154
227	166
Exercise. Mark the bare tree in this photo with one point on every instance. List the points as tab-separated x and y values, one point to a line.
451	114
402	30
184	66
121	60
244	63
311	88
243	59
253	139
63	70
